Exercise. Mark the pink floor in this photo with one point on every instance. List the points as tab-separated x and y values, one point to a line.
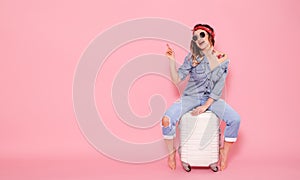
94	168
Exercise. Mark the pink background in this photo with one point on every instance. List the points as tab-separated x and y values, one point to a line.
42	41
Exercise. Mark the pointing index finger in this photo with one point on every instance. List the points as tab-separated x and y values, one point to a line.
168	46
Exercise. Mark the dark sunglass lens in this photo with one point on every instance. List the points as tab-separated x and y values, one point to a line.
202	34
195	38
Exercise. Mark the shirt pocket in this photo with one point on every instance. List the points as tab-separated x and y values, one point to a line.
200	69
198	73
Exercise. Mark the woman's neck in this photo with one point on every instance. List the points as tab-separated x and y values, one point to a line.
208	50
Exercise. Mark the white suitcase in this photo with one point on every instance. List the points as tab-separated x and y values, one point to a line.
199	140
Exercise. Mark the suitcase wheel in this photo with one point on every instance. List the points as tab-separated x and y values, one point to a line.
214	168
186	167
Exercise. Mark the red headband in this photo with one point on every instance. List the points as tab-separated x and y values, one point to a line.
205	29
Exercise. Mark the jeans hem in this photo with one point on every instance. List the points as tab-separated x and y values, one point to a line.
227	139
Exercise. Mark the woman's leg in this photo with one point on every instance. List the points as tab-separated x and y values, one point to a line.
169	142
172	153
171	117
224	154
232	120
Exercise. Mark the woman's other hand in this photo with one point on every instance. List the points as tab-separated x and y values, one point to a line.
198	110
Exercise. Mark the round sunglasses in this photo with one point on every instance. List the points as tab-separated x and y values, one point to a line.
202	35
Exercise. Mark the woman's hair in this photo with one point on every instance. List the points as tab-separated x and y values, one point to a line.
195	50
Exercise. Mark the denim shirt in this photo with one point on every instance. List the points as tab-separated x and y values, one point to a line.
203	82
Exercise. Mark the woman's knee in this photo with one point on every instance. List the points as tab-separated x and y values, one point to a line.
237	119
165	121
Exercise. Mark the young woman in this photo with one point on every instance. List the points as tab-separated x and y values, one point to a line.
207	68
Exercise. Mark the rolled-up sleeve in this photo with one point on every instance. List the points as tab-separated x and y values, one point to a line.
219	85
185	68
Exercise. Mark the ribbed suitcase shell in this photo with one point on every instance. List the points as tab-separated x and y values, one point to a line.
199	140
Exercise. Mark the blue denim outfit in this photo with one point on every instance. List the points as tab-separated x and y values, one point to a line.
203	83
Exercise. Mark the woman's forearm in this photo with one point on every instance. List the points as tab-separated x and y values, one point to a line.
208	102
174	74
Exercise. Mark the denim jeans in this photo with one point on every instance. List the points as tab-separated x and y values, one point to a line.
219	107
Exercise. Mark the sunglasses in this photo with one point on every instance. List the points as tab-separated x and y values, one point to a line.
202	35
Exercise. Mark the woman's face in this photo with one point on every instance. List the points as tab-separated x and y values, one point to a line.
202	39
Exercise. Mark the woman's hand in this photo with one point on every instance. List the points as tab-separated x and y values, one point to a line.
198	110
170	53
